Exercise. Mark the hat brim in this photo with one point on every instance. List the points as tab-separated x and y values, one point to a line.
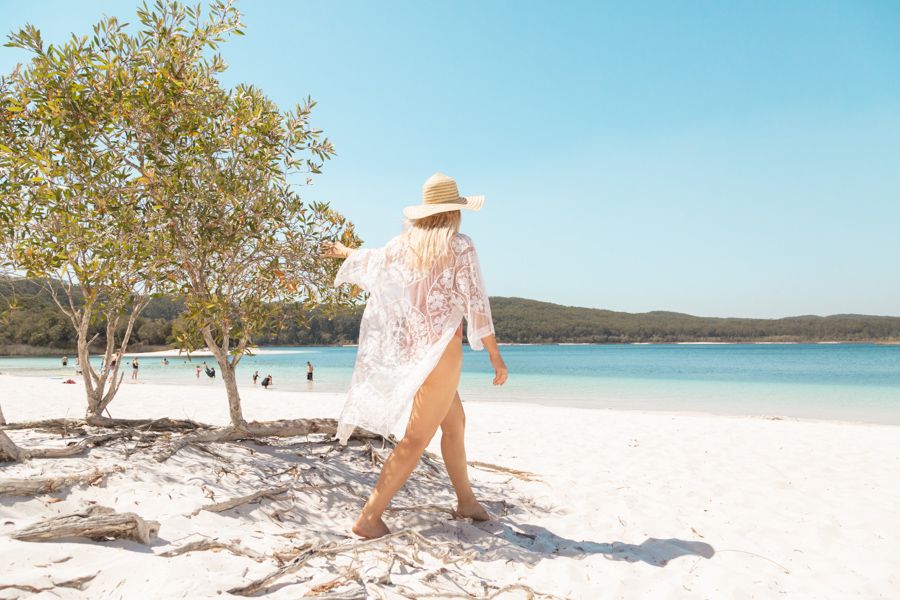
420	211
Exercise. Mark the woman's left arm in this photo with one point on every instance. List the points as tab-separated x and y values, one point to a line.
493	350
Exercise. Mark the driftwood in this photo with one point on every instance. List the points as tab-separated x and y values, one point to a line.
233	502
78	583
95	522
10	451
255	429
200	545
63	425
32	486
324	550
514	472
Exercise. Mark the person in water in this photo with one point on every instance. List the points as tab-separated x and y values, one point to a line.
134	368
65	360
267	381
421	286
198	371
309	371
255	376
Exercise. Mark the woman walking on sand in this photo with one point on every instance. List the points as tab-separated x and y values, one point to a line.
421	285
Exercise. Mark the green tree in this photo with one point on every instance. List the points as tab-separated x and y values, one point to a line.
79	216
76	120
244	246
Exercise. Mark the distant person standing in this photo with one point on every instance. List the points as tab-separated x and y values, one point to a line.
309	371
267	381
255	376
198	371
134	368
65	360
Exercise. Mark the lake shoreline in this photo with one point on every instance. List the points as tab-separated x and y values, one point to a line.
44	352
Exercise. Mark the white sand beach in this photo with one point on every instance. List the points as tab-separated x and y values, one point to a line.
620	505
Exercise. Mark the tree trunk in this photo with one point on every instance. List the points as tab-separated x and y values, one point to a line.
234	399
2	418
228	376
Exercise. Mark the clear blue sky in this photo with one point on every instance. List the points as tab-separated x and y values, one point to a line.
716	158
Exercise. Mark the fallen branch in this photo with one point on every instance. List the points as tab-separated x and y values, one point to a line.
330	549
77	583
48	424
63	425
514	472
8	449
234	502
32	486
206	544
95	522
78	448
256	429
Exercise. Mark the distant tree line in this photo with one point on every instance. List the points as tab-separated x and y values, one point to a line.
34	324
528	321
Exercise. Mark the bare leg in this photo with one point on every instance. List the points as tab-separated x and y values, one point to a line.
453	449
429	409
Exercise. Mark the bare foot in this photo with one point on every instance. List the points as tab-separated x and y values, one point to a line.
369	529
472	510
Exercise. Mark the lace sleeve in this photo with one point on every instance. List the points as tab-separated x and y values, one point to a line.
470	285
361	268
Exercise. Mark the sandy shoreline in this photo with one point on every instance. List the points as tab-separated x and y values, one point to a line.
624	504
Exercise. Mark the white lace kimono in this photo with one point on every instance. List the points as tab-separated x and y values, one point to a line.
409	319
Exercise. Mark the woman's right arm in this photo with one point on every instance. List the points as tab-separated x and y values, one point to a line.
335	250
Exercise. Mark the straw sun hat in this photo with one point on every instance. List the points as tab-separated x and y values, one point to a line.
439	194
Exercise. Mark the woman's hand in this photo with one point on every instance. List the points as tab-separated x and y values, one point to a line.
500	372
334	250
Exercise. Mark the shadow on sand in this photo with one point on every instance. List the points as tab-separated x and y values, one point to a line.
507	540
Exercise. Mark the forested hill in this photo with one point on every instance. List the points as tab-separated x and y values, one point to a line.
522	320
36	326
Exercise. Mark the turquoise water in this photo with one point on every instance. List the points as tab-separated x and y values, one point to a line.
830	381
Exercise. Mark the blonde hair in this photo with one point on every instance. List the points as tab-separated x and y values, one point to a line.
429	238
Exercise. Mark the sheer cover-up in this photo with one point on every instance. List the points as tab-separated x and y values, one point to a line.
409	319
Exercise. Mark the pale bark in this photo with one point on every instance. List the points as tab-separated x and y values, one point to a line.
109	380
64	425
255	429
94	522
227	370
206	544
77	583
8	449
235	502
33	486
